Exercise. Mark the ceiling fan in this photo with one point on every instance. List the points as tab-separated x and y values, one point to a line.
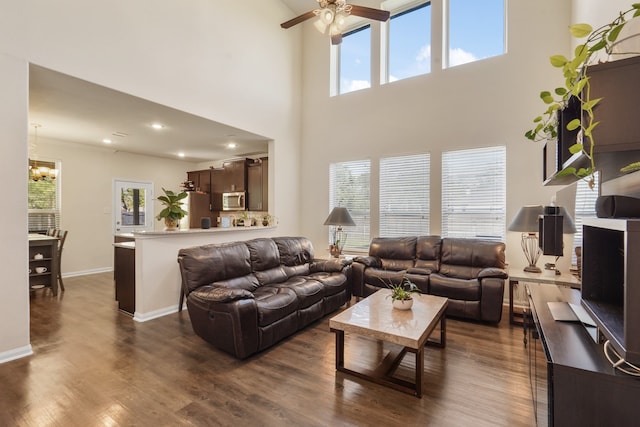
333	14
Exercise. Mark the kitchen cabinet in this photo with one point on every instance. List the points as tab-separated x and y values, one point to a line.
200	200
124	275
258	185
234	177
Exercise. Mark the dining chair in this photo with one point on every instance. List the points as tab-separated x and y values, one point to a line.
62	236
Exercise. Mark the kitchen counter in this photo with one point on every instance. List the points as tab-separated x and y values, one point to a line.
157	274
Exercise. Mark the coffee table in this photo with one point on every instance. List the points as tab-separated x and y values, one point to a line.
374	317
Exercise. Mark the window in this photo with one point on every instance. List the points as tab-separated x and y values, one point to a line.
349	188
474	193
585	208
404	196
476	30
355	60
43	200
409	43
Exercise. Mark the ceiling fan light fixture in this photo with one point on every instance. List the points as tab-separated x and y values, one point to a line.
327	15
321	26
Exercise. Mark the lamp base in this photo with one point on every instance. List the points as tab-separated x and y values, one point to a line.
335	251
532	269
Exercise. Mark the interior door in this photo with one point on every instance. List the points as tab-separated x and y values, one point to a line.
132	206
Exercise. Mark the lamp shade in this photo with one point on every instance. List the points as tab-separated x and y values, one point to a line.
339	216
526	220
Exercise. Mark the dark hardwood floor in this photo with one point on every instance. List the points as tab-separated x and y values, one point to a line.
94	366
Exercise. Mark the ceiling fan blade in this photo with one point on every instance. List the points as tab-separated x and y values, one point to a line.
336	39
370	13
290	23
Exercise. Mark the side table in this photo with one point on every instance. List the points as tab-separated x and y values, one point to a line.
523	276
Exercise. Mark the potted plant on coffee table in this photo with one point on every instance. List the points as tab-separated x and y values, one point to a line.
401	294
172	212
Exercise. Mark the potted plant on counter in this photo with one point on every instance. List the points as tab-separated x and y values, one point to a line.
172	212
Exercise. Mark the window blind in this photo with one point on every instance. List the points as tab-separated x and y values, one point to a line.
585	208
43	201
404	196
474	193
349	184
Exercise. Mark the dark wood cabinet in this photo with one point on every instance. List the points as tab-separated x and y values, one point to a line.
124	275
257	185
234	177
200	200
572	382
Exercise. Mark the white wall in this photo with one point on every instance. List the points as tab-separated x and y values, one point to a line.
224	60
486	103
86	177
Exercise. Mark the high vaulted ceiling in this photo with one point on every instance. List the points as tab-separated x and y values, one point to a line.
74	110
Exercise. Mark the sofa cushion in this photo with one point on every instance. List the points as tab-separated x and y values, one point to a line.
450	287
395	253
309	291
294	250
264	254
465	258
202	265
383	278
209	294
273	275
333	282
274	303
428	252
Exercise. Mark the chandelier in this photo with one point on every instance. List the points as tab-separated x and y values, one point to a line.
37	173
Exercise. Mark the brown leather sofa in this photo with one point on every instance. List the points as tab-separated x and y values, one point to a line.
243	297
470	272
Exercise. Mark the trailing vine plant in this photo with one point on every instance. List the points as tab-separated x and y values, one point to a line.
577	84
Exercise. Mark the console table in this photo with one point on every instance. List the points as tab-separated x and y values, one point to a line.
523	276
572	382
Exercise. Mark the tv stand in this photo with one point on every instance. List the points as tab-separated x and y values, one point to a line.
571	380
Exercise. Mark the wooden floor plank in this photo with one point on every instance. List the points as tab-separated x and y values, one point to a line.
93	365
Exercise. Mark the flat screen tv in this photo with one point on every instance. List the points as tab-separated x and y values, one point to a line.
611	281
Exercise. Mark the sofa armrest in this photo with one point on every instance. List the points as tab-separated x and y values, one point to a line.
494	272
333	265
369	261
210	294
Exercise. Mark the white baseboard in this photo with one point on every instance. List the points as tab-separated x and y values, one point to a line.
143	317
87	272
16	353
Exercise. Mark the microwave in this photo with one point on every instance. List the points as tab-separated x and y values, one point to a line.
234	201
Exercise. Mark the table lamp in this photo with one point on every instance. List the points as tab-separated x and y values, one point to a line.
338	217
526	221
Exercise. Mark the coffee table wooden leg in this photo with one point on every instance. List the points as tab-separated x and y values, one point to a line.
419	370
339	349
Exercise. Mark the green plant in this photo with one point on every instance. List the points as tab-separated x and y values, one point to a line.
577	84
403	291
173	205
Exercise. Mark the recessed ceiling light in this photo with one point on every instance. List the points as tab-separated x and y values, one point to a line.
232	145
107	141
157	126
181	154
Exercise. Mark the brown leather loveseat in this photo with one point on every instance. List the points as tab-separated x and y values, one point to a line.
243	297
470	272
